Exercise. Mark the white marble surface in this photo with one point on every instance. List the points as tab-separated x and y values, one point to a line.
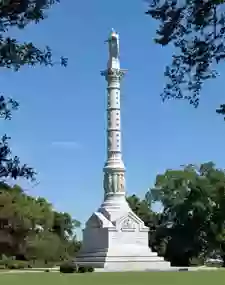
116	239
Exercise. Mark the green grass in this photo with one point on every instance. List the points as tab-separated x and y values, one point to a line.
134	278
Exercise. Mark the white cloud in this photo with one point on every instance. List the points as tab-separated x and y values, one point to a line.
66	144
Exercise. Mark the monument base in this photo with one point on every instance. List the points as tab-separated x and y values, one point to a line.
116	239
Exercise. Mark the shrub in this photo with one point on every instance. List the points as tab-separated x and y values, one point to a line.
84	269
196	261
16	264
183	269
11	263
68	267
91	269
12	266
21	264
2	264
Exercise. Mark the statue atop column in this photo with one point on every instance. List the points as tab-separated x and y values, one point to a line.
113	42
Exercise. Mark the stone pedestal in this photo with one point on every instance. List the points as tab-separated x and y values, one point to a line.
117	240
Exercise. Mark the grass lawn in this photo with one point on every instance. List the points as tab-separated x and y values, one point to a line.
134	278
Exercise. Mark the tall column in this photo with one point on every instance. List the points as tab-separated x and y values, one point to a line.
114	170
115	238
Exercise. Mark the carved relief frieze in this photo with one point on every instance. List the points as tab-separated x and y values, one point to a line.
113	182
107	183
121	182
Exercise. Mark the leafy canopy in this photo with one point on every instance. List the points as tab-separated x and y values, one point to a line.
196	29
193	219
31	226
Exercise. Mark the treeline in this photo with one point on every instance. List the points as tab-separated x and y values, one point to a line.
31	230
191	227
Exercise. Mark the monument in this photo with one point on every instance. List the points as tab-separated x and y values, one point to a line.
115	238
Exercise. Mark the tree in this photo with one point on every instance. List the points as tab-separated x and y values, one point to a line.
30	228
64	225
142	209
197	31
74	246
20	214
193	220
14	55
46	246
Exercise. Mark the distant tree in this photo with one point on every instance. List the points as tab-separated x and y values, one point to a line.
196	29
14	55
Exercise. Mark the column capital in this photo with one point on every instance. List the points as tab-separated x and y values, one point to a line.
113	73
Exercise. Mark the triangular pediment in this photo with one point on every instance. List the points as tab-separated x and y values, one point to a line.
98	220
130	222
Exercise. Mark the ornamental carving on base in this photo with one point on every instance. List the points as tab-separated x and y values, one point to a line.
128	224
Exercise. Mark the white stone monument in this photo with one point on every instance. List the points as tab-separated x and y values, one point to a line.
114	237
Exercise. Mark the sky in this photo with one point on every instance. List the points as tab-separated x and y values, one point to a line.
60	127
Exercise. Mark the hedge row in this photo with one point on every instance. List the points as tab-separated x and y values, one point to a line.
14	264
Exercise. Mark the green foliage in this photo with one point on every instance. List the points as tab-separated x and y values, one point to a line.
191	228
64	224
28	227
18	14
44	245
196	29
11	263
192	223
10	165
85	269
17	264
68	267
196	261
72	267
142	209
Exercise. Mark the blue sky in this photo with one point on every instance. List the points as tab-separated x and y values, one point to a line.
60	126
